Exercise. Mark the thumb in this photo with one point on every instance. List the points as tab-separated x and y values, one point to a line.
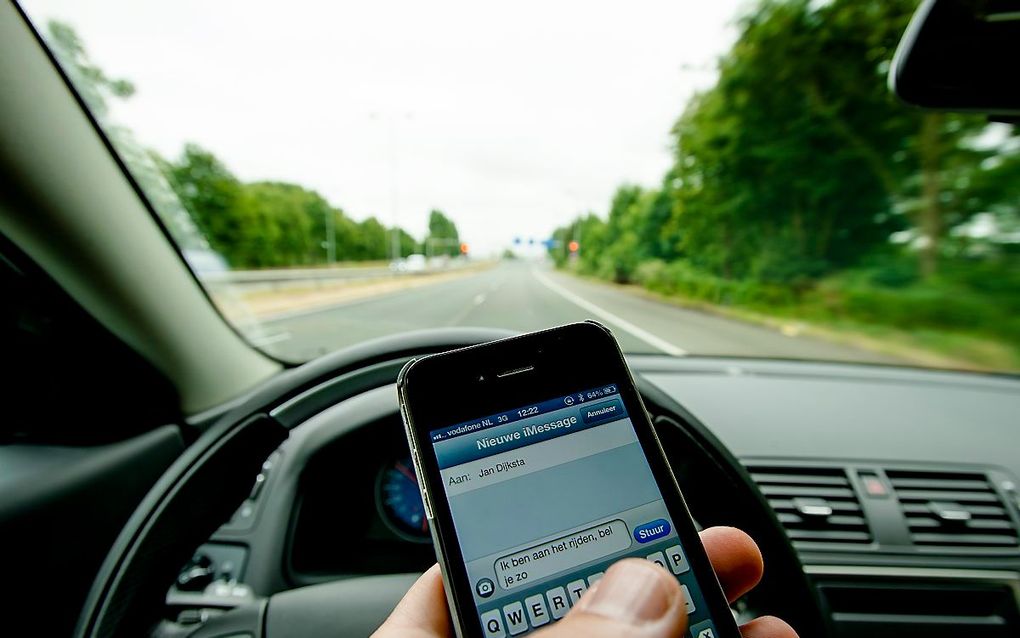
635	598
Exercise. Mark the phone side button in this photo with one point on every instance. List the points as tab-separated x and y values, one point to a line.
421	486
428	506
415	462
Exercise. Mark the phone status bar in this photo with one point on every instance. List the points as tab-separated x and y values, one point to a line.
525	412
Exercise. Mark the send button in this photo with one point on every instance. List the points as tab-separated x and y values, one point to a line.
652	531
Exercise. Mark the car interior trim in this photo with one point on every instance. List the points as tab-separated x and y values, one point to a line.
895	571
61	184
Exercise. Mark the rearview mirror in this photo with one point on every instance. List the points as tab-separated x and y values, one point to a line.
961	55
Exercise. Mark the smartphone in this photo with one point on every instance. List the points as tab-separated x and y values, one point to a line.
539	468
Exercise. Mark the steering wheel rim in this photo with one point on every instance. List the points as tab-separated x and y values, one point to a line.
785	589
214	475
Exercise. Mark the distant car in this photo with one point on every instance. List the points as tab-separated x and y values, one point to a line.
411	263
415	263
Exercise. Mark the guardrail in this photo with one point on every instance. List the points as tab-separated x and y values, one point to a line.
281	277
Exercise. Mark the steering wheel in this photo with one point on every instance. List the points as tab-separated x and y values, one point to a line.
214	475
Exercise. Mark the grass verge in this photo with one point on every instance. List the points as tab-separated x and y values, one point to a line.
925	346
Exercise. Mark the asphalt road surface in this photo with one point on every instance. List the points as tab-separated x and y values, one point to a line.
524	296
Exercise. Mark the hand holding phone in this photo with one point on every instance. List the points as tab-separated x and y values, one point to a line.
423	610
539	469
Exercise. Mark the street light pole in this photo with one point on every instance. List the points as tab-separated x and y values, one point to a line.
394	190
395	232
330	237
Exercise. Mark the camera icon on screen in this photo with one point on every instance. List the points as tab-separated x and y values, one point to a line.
485	587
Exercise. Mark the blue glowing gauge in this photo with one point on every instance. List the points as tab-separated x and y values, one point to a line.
399	501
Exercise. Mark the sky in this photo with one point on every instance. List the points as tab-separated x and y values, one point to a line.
512	117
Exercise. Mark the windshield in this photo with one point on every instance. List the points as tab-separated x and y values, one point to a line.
715	178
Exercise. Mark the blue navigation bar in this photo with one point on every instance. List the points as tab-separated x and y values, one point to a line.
510	436
525	412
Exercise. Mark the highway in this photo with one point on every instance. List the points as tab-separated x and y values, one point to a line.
524	296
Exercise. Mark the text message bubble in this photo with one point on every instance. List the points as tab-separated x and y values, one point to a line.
567	552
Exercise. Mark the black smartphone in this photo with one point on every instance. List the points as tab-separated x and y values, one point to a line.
539	468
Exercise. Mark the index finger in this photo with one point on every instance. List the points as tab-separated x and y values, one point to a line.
422	613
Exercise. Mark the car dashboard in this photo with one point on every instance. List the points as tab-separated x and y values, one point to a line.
897	488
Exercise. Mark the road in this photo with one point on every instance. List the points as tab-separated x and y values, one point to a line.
523	296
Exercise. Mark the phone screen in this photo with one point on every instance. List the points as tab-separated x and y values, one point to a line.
544	498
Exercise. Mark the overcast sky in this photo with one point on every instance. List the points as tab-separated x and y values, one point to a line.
511	118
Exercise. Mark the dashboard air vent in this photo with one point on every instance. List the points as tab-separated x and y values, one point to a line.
817	506
953	510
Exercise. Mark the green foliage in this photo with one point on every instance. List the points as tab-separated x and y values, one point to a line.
850	296
264	224
799	162
582	229
784	166
408	244
795	171
272	224
443	238
680	278
90	80
93	85
614	248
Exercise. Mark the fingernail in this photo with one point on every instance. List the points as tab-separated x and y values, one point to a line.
633	592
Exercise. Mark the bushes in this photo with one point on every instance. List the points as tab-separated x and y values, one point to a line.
936	305
999	276
853	296
921	306
888	271
652	275
680	278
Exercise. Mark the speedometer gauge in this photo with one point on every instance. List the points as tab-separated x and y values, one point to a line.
399	501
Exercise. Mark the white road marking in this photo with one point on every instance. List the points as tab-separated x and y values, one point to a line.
605	315
476	301
266	340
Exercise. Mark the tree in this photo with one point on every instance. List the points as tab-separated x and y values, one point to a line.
374	240
270	224
799	161
769	186
212	195
94	86
589	231
408	244
262	224
443	238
